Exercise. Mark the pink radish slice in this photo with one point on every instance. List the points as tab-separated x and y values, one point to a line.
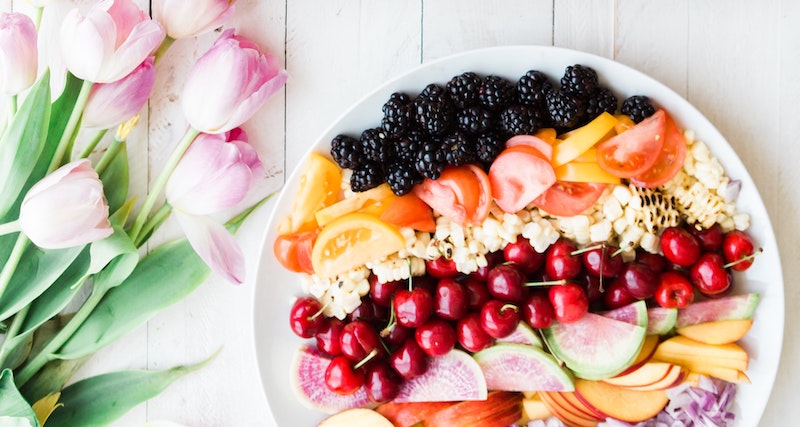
308	379
453	377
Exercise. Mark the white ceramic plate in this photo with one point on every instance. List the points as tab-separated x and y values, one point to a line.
275	287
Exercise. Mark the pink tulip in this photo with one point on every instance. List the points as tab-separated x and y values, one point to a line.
66	208
112	39
110	104
214	244
215	173
229	83
18	53
188	18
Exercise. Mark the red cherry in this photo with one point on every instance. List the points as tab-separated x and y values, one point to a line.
436	338
709	275
328	339
306	318
506	283
656	262
674	290
602	260
569	302
523	255
492	259
367	311
738	250
397	335
471	335
679	246
341	378
477	294
451	301
409	361
559	262
413	308
710	238
382	292
537	311
382	383
639	280
441	268
593	287
499	319
358	339
617	295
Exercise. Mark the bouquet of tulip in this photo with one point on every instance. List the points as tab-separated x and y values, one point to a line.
70	234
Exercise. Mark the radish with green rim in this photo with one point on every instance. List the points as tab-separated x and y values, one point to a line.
660	320
634	313
524	334
726	308
308	380
520	367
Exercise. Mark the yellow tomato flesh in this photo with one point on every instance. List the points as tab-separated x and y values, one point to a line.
582	139
584	172
319	187
363	201
353	240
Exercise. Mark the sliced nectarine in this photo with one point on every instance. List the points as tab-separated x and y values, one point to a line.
626	405
680	349
719	332
534	409
569	418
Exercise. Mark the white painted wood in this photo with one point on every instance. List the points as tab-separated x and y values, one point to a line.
587	26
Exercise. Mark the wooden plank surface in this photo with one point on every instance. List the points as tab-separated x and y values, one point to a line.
737	61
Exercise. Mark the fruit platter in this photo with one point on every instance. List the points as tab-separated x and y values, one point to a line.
519	236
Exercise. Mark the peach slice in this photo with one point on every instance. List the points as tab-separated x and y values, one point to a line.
625	405
650	376
645	354
718	332
567	417
357	417
681	349
534	409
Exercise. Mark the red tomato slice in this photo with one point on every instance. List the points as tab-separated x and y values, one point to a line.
669	162
527	149
569	198
409	211
293	251
635	151
462	194
532	141
518	177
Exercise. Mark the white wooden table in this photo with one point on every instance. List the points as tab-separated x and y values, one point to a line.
737	61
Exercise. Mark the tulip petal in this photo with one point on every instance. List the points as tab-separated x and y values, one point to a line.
82	45
183	19
215	246
248	107
110	104
145	37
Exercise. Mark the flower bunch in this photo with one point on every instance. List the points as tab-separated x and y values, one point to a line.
67	220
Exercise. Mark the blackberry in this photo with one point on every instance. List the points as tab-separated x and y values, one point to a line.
602	100
434	113
474	120
532	88
402	177
367	175
638	108
489	145
346	151
520	120
580	81
564	110
375	146
407	146
430	161
463	89
495	93
398	114
458	149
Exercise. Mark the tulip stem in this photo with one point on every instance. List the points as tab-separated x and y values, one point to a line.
12	261
87	150
162	50
161	182
9	342
72	125
9	227
154	222
109	156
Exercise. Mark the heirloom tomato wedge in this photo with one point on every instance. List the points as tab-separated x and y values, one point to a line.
669	162
569	198
461	194
636	150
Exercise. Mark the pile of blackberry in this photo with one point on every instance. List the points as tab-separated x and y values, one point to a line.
468	120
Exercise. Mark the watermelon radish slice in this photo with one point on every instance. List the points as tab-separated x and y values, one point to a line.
524	334
634	313
452	377
660	320
728	308
308	380
595	347
520	367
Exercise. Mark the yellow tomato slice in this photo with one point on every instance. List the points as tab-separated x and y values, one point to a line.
584	172
582	139
588	156
353	240
547	135
353	204
319	187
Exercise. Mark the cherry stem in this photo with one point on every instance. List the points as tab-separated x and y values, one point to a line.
546	283
587	249
392	321
321	310
508	307
617	252
410	276
744	258
366	359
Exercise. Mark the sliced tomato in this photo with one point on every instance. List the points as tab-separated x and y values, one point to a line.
527	149
532	141
293	251
409	211
569	198
518	177
673	153
462	194
635	151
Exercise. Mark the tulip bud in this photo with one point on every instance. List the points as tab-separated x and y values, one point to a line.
215	173
188	18
18	53
66	208
107	44
229	83
110	104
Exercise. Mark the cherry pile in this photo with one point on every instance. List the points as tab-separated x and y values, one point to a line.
390	337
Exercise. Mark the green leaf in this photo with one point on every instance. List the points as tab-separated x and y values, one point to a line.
51	378
116	179
12	405
113	259
167	275
99	400
23	142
